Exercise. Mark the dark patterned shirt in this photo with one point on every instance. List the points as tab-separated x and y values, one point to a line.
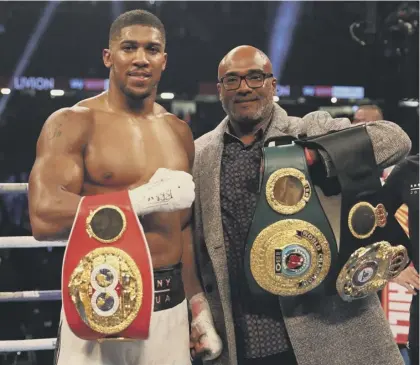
259	325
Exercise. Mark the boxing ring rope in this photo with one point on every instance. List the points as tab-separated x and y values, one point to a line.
7	188
28	345
26	296
28	242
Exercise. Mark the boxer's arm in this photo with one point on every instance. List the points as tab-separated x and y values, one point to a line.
57	175
192	285
204	340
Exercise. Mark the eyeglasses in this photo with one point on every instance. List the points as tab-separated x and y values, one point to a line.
254	80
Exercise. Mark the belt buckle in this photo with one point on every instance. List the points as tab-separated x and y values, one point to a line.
365	272
107	290
290	257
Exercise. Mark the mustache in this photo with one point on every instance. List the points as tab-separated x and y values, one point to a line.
244	100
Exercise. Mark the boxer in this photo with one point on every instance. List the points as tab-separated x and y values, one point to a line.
122	150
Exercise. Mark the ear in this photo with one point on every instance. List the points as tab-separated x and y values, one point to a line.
274	83
165	55
107	58
219	89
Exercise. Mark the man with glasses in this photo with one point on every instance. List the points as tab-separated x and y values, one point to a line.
266	330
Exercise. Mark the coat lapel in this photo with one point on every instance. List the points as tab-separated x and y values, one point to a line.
278	123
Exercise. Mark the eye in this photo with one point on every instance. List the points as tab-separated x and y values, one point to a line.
255	77
231	79
128	48
154	50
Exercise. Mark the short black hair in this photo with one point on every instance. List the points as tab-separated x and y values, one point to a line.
136	17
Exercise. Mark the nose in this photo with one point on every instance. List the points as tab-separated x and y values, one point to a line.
244	88
140	58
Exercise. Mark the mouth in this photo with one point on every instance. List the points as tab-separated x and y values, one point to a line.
245	101
139	76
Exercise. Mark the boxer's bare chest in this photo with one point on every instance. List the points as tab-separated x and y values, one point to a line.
125	152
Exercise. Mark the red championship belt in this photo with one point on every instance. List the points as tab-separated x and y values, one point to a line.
107	278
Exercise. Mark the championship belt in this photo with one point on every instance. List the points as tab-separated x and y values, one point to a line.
367	256
290	247
107	278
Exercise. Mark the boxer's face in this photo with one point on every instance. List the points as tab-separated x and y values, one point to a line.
136	59
246	104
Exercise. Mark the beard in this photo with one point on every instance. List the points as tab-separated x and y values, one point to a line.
132	94
136	96
248	117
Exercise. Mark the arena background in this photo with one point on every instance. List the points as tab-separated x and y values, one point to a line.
330	55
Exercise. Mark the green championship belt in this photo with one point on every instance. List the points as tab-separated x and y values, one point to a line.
290	247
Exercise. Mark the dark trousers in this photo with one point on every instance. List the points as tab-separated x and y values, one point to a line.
284	358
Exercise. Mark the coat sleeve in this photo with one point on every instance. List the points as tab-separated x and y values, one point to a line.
390	143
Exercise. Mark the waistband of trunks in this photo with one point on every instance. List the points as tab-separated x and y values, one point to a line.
169	288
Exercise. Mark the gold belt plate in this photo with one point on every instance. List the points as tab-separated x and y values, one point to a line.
287	191
290	257
107	289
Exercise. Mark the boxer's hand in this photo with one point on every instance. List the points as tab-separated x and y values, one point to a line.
166	191
409	279
205	343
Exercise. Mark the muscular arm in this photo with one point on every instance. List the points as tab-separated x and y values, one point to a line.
56	178
189	273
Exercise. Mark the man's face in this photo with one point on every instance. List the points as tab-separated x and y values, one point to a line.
366	115
246	104
136	59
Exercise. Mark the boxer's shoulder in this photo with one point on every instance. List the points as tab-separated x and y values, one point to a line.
70	118
159	109
177	124
183	130
66	129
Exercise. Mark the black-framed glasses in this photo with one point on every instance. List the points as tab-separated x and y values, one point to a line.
254	80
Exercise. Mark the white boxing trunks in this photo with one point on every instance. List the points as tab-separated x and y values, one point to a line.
168	342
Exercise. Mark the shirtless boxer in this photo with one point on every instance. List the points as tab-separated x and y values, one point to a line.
122	140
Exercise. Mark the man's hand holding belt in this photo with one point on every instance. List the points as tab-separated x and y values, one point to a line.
204	342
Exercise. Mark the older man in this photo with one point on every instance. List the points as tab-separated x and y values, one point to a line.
272	330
